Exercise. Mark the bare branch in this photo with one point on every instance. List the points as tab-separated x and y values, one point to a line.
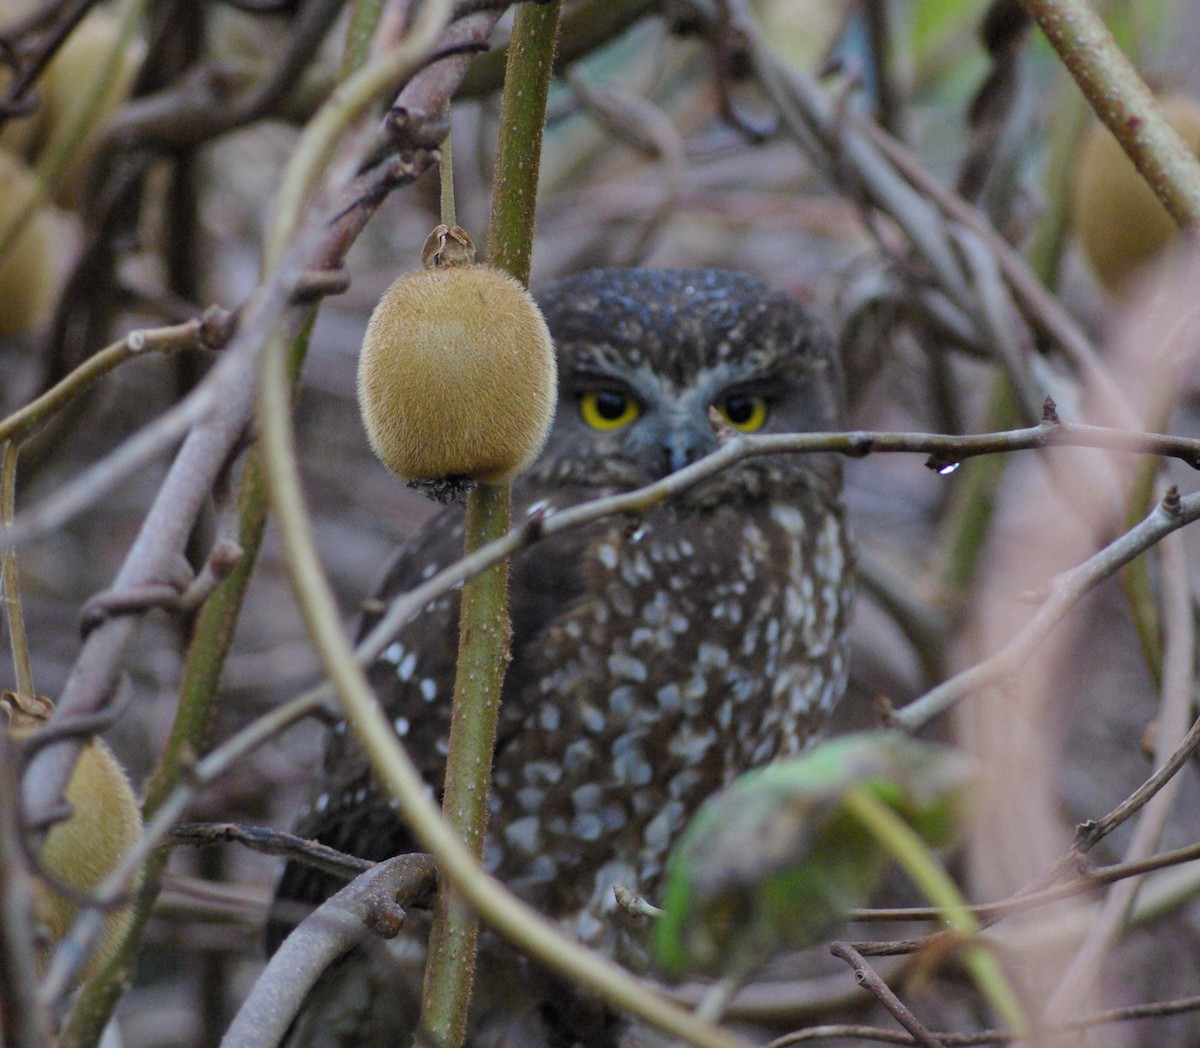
1065	591
1174	714
269	842
869	980
372	904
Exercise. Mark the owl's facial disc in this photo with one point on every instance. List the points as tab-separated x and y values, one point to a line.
658	427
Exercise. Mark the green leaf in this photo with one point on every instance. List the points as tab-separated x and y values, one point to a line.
776	859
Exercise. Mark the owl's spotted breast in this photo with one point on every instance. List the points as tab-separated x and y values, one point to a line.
673	673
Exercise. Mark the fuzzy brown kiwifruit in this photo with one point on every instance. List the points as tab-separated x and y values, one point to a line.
80	851
457	374
30	270
1122	225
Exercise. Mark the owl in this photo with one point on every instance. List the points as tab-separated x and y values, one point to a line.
650	664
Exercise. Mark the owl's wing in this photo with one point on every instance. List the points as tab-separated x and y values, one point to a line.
414	680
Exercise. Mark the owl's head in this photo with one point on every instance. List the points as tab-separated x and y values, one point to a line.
644	353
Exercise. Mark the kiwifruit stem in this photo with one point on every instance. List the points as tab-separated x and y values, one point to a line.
446	173
484	620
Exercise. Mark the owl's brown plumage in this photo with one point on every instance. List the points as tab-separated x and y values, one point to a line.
647	668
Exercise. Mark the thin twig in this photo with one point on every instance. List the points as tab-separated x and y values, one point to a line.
1155	1010
194	333
269	842
867	978
945	453
1175	711
989	912
1065	591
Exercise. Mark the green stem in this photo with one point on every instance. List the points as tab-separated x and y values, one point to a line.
484	621
12	587
519	151
24	421
479	675
585	28
907	848
1136	578
1123	102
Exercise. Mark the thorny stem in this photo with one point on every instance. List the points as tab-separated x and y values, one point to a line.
519	149
12	588
484	621
479	674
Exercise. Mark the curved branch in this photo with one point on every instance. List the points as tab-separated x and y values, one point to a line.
370	904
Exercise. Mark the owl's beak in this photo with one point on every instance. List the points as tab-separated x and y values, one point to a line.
681	447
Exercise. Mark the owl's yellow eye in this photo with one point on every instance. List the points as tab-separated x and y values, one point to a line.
608	408
744	411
